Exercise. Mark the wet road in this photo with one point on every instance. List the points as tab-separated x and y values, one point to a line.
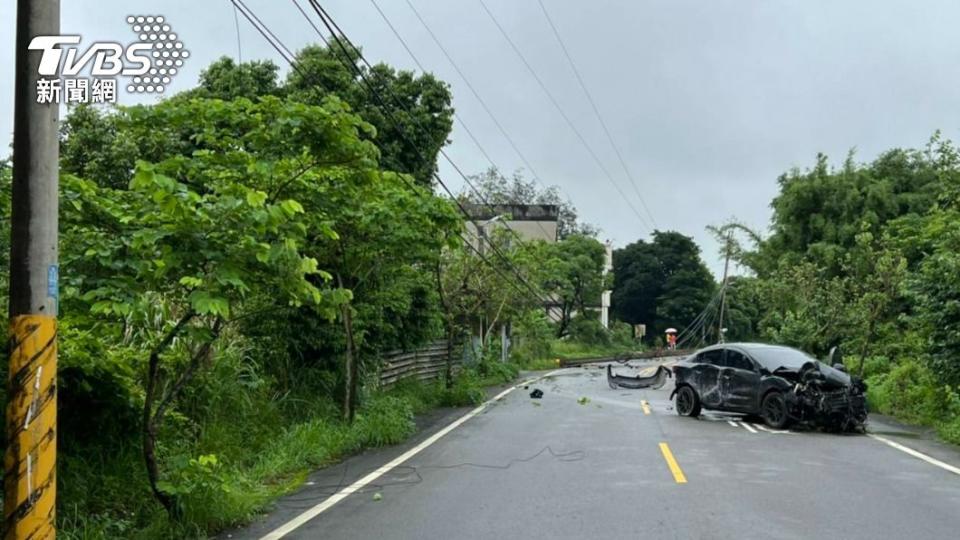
586	461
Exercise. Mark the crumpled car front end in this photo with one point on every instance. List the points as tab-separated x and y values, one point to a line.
826	397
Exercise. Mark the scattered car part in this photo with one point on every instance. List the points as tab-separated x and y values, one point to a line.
655	381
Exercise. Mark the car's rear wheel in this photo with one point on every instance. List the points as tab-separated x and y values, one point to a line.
688	403
774	410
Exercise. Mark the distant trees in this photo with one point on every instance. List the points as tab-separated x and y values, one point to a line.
662	283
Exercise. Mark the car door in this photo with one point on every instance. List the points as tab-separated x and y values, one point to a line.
708	378
739	382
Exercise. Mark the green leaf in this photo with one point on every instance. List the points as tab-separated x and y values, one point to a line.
191	281
256	198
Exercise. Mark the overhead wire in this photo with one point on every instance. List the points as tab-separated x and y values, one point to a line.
700	322
334	30
456	115
284	52
596	110
322	12
563	113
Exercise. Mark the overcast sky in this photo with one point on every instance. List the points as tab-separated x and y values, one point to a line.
708	100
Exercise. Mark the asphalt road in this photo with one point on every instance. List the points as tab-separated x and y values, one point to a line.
566	467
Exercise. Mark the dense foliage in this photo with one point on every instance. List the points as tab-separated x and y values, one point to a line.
236	261
865	256
662	283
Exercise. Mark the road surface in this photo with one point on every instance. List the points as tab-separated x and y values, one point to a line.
586	461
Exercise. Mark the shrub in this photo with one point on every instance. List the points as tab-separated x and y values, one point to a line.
588	330
533	337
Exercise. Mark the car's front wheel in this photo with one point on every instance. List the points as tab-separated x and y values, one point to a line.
774	410
688	403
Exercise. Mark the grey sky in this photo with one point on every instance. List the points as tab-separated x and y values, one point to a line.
708	100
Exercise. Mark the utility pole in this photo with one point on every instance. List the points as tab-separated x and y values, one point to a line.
723	285
30	485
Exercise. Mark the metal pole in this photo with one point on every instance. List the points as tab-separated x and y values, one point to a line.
723	287
30	485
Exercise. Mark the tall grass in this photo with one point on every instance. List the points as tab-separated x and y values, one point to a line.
246	450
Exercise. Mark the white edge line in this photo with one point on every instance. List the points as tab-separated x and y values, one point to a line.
750	429
914	453
314	511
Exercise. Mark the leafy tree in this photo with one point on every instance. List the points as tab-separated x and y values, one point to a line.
224	79
571	275
819	213
662	283
482	293
421	117
211	230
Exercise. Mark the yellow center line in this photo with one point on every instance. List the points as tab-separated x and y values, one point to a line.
646	406
672	463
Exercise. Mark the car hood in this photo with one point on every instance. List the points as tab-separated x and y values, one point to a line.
831	376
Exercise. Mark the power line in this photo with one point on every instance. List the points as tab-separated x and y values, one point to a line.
236	22
278	45
335	29
476	95
596	110
563	113
460	120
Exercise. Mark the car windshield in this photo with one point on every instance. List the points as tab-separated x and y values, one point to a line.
772	357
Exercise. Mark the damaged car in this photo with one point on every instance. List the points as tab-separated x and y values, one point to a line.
780	384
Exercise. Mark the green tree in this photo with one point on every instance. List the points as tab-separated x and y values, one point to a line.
225	79
571	275
420	119
662	283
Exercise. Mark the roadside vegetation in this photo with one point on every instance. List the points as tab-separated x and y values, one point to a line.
235	262
863	256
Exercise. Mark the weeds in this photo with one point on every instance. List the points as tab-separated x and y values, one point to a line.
234	471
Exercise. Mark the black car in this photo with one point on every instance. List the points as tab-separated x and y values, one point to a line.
780	384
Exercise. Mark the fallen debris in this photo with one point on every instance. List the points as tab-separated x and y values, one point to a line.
657	380
537	393
377	496
583	400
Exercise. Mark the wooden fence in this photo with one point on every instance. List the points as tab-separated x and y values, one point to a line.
425	364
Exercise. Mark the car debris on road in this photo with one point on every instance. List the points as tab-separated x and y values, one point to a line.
655	381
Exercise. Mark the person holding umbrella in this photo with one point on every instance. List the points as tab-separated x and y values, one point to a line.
671	338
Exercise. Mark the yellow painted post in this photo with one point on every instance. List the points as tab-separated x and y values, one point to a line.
30	483
30	461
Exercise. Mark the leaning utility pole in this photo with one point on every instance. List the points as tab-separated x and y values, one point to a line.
29	483
723	286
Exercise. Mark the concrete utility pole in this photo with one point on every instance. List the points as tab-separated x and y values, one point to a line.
723	286
30	485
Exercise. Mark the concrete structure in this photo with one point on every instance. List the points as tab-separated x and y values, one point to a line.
529	221
605	295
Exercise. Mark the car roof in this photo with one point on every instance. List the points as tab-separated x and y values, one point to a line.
749	348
